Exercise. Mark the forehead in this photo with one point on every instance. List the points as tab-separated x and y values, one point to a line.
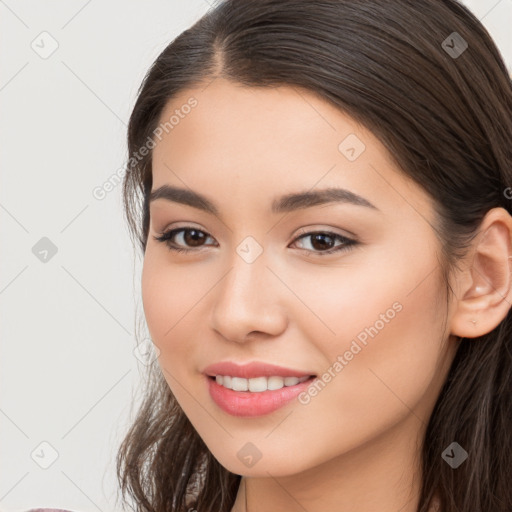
247	119
238	141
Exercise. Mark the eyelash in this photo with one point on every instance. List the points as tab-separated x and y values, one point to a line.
348	243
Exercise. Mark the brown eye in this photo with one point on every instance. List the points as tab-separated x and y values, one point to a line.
322	242
191	237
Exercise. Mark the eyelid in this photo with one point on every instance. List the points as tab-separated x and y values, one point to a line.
314	229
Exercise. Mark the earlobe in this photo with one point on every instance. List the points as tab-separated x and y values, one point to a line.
486	285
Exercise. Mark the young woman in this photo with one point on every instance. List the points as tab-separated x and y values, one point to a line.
321	192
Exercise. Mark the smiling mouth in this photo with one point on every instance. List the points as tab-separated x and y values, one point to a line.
258	384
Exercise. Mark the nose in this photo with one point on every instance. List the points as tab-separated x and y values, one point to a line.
248	302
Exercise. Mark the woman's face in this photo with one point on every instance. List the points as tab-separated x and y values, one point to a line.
259	284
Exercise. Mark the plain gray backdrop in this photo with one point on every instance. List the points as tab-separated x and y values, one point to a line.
70	279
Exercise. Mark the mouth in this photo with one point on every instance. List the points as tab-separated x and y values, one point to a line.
255	369
256	396
258	384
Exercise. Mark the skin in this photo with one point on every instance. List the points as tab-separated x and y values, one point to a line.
355	445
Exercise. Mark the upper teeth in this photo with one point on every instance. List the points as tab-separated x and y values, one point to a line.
258	384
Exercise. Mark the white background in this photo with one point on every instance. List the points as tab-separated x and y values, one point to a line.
68	369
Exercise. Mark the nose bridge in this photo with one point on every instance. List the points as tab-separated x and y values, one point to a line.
246	300
248	269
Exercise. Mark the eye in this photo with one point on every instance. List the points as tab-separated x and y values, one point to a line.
320	240
190	235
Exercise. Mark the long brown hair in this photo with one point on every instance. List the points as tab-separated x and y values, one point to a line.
427	79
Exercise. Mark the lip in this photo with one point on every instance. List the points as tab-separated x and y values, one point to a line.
248	404
252	370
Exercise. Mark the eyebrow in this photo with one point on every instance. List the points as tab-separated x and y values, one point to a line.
285	203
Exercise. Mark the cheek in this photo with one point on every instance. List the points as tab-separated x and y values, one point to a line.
168	295
172	297
163	302
154	298
382	361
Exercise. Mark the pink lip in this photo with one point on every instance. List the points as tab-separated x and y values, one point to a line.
246	404
252	370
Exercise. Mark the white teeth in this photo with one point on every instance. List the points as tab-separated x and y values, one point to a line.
275	383
257	384
239	384
291	381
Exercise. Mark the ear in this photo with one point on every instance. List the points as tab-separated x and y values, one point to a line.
485	286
